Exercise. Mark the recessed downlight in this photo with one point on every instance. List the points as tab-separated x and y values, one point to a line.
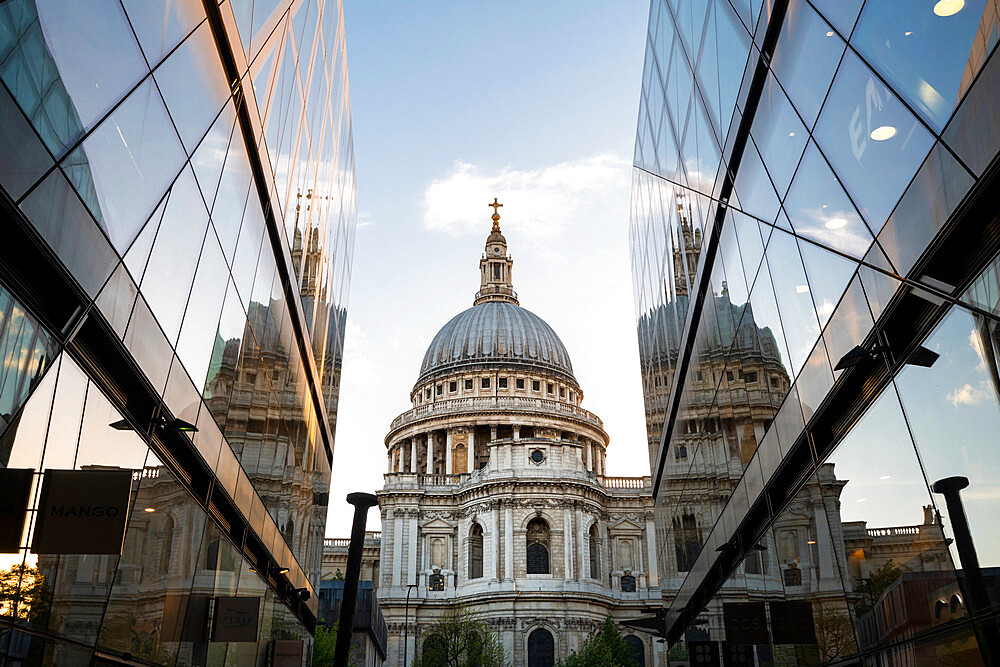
883	132
149	509
802	289
829	33
835	223
948	7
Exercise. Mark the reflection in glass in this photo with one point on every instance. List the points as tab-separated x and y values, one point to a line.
819	209
872	141
133	155
778	134
927	57
161	25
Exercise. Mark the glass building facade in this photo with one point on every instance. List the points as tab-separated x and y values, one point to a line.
815	243
179	210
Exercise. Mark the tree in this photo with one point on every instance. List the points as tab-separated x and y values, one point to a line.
23	594
878	583
461	639
605	647
834	631
324	645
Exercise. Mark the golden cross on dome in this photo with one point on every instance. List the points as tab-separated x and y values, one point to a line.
495	205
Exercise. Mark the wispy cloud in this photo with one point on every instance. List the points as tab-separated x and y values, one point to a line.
967	395
539	204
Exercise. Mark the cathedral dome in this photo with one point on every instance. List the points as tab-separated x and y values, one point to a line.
496	333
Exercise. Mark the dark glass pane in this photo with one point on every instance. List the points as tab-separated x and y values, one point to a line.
25	158
974	132
61	219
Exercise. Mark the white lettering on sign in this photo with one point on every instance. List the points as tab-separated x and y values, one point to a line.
859	135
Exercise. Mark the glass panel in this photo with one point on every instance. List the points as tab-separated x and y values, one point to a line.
778	134
828	275
84	49
25	158
840	13
953	409
819	208
59	216
26	351
896	549
936	190
753	187
791	288
160	25
973	132
872	141
196	341
923	52
805	58
146	342
132	156
167	280
193	85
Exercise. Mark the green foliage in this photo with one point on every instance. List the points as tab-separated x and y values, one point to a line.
324	645
879	582
23	594
461	639
338	575
606	648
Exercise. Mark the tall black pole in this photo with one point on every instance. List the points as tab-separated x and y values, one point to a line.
976	597
406	622
345	629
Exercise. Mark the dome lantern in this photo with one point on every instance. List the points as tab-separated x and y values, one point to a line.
496	266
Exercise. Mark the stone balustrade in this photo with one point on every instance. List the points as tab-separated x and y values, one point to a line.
488	404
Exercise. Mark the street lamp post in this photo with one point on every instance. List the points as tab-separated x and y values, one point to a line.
406	622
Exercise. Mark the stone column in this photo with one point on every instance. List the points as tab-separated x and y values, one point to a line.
826	567
447	452
390	459
508	543
587	450
411	570
653	575
472	449
395	527
517	431
430	452
568	541
413	454
583	568
494	550
600	462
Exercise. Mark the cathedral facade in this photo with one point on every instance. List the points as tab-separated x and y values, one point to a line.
496	497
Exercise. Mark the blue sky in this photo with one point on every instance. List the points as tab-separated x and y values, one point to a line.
455	103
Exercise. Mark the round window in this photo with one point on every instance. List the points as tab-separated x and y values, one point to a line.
537	456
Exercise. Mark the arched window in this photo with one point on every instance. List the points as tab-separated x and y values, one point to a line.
476	552
460	459
793	577
541	648
436	582
638	650
628	583
538	547
686	541
595	553
437	551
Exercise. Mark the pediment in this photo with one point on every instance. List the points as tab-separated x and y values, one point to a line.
438	524
626	526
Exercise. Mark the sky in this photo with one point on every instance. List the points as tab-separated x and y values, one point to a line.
453	104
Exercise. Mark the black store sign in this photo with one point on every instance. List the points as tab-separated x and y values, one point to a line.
235	619
703	654
746	622
792	622
82	512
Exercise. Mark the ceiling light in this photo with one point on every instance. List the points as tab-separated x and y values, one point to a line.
282	570
835	223
948	7
811	542
801	289
908	33
883	132
824	205
149	509
829	33
885	477
791	134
